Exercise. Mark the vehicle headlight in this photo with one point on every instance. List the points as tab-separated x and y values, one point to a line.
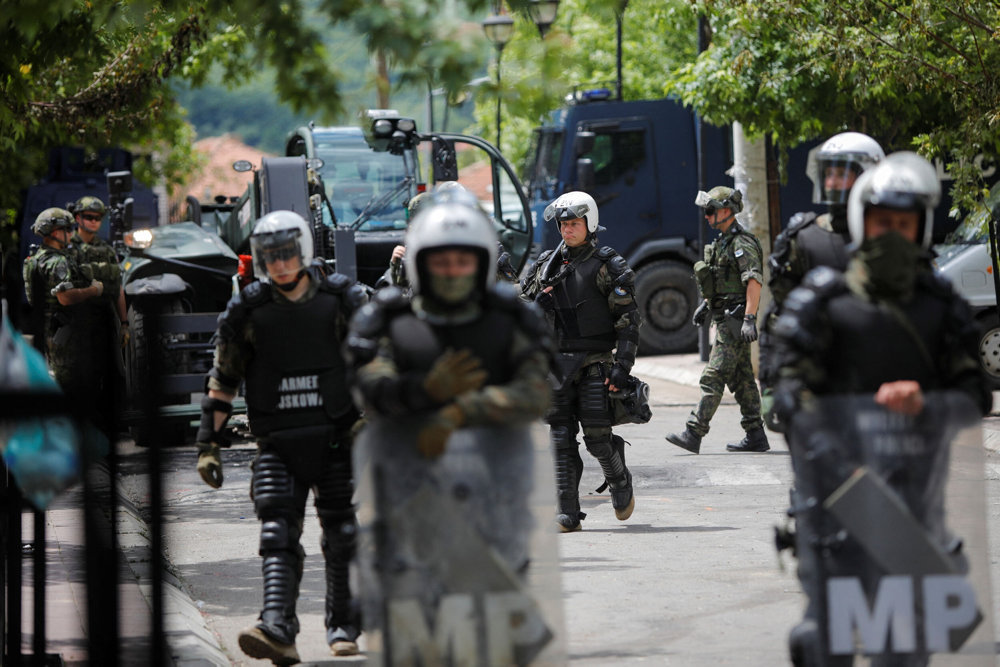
139	239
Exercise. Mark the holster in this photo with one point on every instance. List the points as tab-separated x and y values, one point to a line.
730	315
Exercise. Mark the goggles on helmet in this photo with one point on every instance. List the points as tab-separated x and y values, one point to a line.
703	200
562	213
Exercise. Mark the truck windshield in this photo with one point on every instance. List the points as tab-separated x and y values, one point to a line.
355	177
544	172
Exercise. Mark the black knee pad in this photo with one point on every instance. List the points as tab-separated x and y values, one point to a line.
593	402
279	533
562	409
563	437
273	485
599	443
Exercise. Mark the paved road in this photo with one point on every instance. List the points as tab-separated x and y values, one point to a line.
692	579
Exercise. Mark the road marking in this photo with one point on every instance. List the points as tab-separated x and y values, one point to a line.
742	475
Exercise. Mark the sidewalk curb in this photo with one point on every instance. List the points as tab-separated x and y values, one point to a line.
189	640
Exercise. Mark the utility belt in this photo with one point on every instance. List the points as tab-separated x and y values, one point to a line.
729	312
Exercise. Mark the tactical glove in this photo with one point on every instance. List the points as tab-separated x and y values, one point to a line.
749	328
452	374
545	301
99	285
700	314
210	464
618	377
434	435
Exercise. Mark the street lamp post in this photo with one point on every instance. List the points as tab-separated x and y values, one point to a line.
498	29
543	14
620	17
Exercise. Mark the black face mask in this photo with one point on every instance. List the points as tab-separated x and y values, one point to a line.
891	263
290	285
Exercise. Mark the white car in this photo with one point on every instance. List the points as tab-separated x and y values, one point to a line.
964	259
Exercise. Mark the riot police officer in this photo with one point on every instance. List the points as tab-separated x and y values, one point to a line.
60	290
730	279
589	297
810	240
282	336
887	328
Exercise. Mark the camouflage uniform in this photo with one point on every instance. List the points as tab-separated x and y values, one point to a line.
103	263
734	259
382	378
66	337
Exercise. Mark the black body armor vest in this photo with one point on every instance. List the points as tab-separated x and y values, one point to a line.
822	247
583	318
297	376
870	345
418	344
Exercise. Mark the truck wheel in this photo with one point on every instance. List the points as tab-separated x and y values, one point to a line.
137	379
989	348
667	297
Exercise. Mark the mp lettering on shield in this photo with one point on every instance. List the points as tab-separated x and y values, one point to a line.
494	628
945	614
302	391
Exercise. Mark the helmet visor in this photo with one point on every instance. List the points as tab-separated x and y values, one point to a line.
838	174
559	213
276	246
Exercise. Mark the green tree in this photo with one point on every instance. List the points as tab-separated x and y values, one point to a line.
578	52
920	74
101	72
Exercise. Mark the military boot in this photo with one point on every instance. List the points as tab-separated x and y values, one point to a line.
618	477
753	441
273	636
687	439
258	644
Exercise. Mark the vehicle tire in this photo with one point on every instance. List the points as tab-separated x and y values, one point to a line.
138	372
667	297
989	347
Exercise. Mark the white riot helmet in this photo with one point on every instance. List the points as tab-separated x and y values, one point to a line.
280	235
903	181
571	206
449	225
849	150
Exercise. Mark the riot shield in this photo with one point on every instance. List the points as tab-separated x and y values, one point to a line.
890	521
457	558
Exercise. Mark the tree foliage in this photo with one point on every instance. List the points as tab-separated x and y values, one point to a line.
580	51
100	72
920	74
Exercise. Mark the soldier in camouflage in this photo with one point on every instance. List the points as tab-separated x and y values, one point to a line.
61	290
95	252
730	279
588	295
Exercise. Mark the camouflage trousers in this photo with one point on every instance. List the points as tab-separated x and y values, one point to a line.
728	365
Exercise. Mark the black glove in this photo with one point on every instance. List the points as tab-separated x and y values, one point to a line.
545	301
700	314
749	328
618	377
